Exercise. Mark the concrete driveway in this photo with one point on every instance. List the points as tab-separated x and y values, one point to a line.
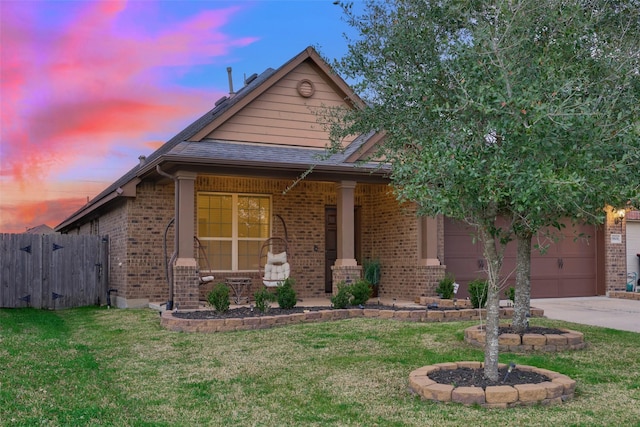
596	311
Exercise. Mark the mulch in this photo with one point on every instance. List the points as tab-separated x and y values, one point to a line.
241	312
468	377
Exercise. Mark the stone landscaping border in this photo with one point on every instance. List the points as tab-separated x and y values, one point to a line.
625	295
558	389
169	321
549	343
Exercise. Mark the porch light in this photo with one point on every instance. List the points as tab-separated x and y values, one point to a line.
619	216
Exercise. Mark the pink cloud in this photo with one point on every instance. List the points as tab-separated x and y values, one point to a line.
86	86
17	218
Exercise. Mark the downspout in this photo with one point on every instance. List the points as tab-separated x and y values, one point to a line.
169	265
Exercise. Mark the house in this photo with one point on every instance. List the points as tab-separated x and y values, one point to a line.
40	229
239	175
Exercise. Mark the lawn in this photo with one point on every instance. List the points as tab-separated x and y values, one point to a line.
95	366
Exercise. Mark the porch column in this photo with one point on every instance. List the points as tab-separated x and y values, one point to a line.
185	275
429	271
185	216
346	204
346	268
428	241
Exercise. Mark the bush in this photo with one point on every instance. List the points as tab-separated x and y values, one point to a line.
341	299
371	271
219	297
445	287
285	294
263	297
510	293
360	292
478	293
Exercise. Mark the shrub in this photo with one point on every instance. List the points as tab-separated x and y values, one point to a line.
371	271
360	292
219	297
341	299
478	293
263	297
510	293
285	294
445	287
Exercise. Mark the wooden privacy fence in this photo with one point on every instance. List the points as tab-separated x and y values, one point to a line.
53	271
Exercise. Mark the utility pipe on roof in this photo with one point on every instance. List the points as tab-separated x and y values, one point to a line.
175	219
231	92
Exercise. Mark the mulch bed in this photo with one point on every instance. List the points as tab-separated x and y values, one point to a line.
530	330
242	312
467	377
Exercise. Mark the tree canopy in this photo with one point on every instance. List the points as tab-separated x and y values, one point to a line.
523	109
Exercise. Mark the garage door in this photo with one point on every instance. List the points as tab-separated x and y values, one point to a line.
633	247
567	268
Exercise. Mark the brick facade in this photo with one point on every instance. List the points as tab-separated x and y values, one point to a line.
389	232
615	263
185	289
136	227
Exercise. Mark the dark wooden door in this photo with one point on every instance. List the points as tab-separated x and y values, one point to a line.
331	245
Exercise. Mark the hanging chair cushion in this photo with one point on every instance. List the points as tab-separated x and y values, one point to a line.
280	258
276	272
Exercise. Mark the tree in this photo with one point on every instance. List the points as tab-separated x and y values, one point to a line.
514	109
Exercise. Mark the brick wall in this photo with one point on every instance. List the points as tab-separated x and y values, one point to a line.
114	224
148	216
390	233
137	226
185	289
615	254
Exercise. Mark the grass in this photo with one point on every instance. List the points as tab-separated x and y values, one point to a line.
94	366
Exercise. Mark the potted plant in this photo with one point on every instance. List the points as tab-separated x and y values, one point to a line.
372	274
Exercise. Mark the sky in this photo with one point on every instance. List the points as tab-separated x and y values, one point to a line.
87	86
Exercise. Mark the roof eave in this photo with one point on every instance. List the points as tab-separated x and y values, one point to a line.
126	190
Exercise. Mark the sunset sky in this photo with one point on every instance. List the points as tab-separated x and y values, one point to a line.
88	86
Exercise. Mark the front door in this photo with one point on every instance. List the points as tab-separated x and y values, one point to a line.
331	242
331	246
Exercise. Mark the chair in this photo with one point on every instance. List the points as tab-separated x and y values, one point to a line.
274	261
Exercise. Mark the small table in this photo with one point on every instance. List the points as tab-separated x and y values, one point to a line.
240	285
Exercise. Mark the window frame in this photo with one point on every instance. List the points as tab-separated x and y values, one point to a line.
234	239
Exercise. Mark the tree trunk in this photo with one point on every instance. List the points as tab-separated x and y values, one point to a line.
522	302
494	263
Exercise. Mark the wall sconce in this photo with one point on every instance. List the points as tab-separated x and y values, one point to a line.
619	216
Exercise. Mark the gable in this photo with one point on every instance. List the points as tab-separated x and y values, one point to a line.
286	112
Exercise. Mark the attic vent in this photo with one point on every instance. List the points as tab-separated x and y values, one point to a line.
221	100
251	78
306	88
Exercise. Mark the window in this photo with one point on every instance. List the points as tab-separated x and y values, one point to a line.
232	227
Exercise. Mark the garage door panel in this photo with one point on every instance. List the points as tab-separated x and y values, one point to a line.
575	287
544	288
567	266
542	265
577	267
578	248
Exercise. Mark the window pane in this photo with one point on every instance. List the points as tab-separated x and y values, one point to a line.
220	231
253	216
248	254
219	254
214	215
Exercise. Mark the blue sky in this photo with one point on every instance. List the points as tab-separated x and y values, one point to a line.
88	86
